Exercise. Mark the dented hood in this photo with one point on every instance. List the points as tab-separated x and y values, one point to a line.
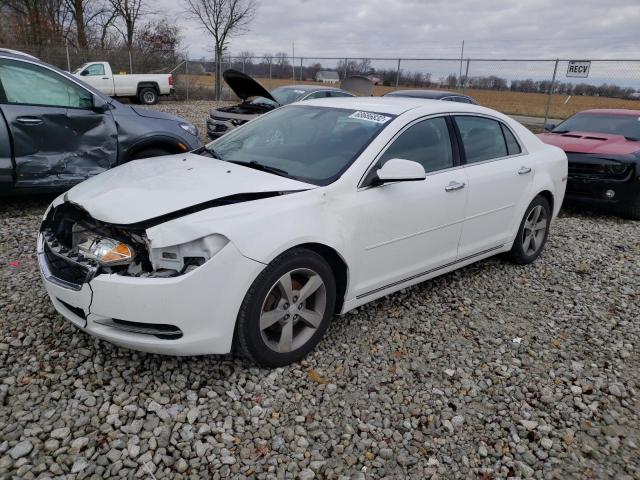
146	189
244	86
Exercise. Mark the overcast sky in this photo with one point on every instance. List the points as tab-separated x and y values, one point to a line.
432	28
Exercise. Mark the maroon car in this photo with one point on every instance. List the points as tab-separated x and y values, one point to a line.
603	148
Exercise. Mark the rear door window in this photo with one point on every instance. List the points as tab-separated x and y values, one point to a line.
482	138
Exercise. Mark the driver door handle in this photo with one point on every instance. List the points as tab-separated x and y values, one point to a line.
524	170
453	186
29	120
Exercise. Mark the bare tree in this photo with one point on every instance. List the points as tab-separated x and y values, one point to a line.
222	19
129	12
84	12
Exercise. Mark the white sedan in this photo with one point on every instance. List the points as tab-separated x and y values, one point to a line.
255	242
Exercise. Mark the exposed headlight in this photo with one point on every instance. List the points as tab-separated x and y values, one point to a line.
189	127
106	251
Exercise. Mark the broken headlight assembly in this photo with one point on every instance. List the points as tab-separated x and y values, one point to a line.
184	258
105	251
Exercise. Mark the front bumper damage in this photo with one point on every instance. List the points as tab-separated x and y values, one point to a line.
607	182
188	314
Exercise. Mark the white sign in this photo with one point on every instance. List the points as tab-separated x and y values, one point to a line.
578	68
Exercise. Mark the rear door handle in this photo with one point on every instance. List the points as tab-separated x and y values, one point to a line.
524	170
105	78
453	186
29	120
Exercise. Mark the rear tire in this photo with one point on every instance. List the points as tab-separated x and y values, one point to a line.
148	96
149	152
532	233
287	309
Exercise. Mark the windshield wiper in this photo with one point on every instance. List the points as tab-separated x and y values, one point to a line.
633	139
560	131
262	167
210	151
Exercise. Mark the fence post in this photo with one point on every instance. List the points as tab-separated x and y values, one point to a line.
553	81
186	74
66	46
398	74
346	61
301	59
130	63
242	64
466	77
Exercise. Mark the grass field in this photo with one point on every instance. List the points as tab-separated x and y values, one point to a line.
513	103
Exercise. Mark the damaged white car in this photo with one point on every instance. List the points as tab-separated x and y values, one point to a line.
256	241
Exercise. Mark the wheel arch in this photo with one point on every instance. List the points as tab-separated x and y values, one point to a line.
171	145
548	196
338	266
153	85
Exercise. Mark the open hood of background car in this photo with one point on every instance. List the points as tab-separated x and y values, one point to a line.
155	187
590	142
244	86
358	85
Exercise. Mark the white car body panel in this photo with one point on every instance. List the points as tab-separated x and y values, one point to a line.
389	236
124	85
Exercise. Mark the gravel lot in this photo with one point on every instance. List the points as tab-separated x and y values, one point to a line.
493	371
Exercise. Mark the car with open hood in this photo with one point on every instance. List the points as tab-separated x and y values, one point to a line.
57	131
254	242
257	100
603	147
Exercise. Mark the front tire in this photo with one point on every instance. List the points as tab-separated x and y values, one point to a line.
533	232
633	211
287	309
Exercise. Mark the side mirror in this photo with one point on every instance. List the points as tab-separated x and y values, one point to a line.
550	127
100	105
400	170
84	73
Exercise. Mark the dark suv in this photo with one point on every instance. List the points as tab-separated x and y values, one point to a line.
56	131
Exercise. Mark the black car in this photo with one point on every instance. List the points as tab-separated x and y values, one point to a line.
433	95
56	131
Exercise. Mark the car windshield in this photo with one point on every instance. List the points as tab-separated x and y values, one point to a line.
626	125
286	95
311	144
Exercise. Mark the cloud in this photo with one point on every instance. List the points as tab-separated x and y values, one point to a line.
432	28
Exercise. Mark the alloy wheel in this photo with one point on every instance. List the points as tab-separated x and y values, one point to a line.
293	310
535	228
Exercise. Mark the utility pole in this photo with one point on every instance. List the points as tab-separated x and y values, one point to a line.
461	56
293	65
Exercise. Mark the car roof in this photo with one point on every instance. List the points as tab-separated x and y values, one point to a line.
15	53
425	93
309	88
612	111
399	105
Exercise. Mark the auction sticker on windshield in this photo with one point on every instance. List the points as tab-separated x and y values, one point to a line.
370	117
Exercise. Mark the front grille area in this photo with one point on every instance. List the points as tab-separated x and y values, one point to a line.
65	269
583	165
217	127
77	310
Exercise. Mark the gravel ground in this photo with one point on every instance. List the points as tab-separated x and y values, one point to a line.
493	371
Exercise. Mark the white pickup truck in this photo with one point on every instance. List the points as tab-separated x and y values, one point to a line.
145	88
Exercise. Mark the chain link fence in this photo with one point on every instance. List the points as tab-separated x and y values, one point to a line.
529	87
